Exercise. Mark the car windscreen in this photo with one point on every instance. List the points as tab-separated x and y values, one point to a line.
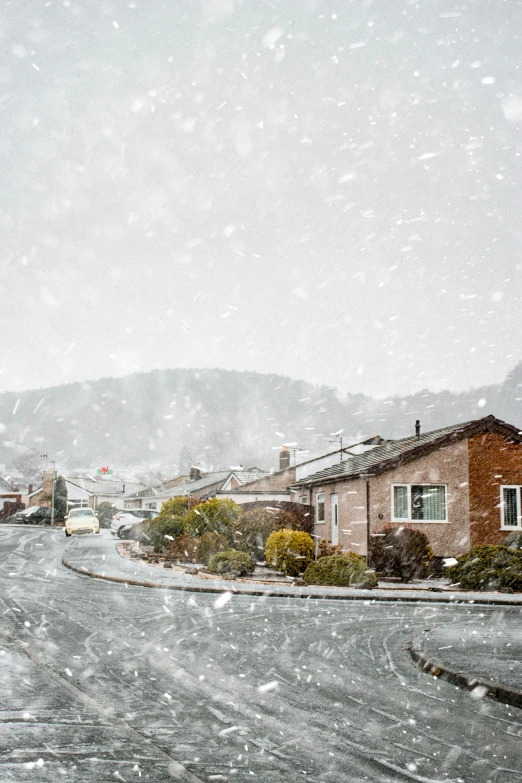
81	512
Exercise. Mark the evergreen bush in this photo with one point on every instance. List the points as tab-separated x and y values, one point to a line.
210	544
343	570
400	552
213	516
488	567
232	562
252	530
290	551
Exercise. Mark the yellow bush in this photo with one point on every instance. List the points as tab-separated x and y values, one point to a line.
290	551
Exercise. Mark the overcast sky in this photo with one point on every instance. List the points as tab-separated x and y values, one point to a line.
329	190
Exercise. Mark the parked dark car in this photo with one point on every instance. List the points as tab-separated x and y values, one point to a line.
34	515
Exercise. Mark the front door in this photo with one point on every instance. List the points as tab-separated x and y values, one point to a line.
335	520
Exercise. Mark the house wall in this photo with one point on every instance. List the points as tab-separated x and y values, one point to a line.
493	462
447	465
352	513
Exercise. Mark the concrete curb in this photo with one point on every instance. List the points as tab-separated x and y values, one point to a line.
482	688
237	589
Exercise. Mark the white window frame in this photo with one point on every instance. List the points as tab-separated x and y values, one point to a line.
303	499
518	488
317	501
410	520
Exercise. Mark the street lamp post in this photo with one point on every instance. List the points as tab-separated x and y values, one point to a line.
53	463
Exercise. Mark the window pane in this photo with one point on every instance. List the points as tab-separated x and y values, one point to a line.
428	502
320	506
400	503
510	506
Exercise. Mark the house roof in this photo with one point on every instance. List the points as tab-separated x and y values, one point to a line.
185	488
5	486
395	452
253	474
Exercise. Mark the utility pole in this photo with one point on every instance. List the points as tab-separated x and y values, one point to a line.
53	463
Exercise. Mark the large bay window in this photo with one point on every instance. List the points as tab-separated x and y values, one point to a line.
419	503
510	507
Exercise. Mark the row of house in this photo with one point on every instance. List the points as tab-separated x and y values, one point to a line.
461	485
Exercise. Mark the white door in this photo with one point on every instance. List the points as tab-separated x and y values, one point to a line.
335	520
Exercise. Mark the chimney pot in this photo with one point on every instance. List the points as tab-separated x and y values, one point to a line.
284	459
417	428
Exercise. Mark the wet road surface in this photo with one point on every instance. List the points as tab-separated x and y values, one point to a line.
102	682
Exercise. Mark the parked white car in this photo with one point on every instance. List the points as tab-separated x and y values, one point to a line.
129	517
81	520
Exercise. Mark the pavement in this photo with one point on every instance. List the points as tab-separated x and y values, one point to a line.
98	557
109	681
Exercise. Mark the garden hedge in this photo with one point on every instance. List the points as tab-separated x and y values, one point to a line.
344	570
488	567
232	562
291	551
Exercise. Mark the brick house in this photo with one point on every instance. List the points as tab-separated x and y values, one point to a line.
461	485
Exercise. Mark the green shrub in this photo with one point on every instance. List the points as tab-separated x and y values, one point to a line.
232	562
210	544
488	567
213	516
175	507
514	540
160	531
184	548
252	529
400	552
343	570
290	551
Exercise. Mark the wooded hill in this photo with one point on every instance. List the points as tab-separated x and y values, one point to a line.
172	418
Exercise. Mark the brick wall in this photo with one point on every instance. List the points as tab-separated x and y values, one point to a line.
493	462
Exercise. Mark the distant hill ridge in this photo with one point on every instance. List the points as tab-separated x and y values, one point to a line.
172	418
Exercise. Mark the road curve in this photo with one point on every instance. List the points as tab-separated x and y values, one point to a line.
105	682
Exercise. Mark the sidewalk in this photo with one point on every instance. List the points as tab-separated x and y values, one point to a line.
97	556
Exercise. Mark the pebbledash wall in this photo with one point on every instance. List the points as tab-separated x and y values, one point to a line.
447	465
493	462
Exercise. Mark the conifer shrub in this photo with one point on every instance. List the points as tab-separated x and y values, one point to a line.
514	540
231	561
210	544
252	530
184	548
291	551
349	569
327	549
213	516
400	552
488	567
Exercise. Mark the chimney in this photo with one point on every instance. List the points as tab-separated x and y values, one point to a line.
417	428
284	459
195	473
29	489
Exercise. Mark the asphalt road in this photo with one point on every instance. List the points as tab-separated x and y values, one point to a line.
102	682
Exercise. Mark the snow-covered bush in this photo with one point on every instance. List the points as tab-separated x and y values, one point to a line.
290	551
231	562
488	567
343	570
